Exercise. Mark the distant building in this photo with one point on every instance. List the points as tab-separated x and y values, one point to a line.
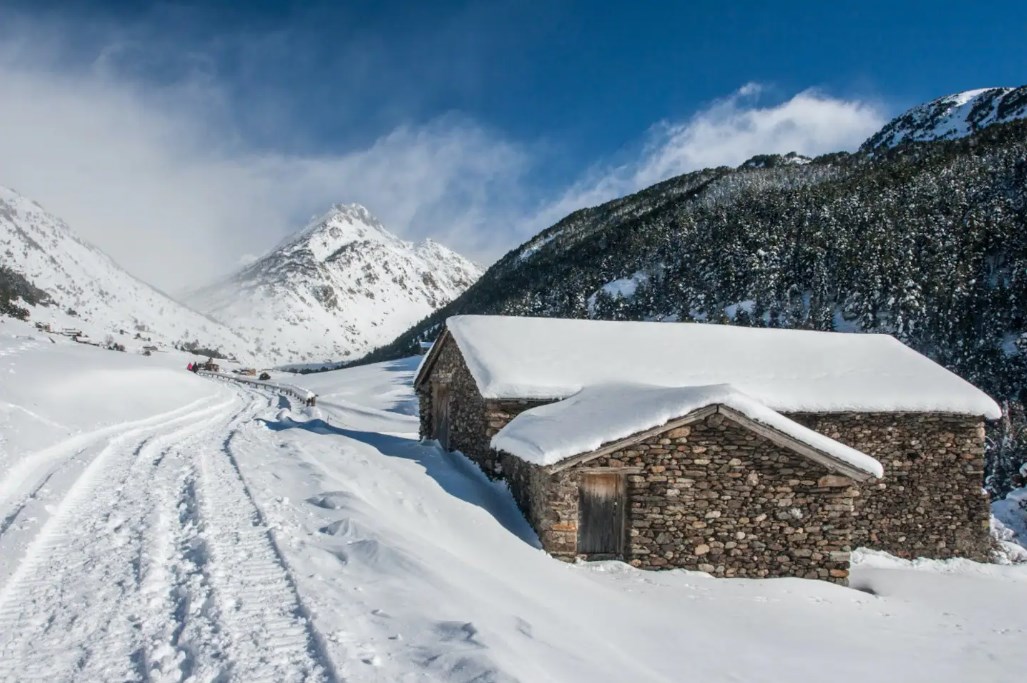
737	451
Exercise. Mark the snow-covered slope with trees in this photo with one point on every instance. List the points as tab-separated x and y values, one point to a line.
926	242
340	287
89	291
952	116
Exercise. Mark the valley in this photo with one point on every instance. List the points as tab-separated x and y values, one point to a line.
226	532
163	525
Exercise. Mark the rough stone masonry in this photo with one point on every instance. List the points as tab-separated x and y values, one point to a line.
929	504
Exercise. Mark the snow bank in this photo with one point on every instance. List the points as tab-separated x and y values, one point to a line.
422	567
282	388
785	370
51	390
606	413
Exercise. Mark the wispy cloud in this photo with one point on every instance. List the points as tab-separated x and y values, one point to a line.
158	175
725	133
158	179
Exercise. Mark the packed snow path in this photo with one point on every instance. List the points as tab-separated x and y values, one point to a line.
156	565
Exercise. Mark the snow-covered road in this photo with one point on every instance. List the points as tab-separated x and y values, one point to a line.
159	526
153	560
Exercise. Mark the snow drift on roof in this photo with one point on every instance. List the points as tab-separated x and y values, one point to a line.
786	370
604	414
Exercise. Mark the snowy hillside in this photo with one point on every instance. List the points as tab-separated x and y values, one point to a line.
89	291
952	116
928	244
156	525
338	288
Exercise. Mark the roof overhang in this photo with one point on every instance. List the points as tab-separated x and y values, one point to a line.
429	359
774	435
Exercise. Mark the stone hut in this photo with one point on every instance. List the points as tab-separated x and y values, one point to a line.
737	451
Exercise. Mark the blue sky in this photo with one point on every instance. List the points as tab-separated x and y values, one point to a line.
474	123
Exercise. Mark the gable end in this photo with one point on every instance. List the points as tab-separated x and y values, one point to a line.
775	436
431	358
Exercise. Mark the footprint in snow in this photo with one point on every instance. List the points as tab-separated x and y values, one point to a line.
331	500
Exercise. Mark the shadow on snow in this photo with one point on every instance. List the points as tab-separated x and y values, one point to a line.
458	476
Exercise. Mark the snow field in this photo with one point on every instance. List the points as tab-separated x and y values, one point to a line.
450	548
238	536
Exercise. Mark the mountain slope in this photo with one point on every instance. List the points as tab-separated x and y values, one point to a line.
926	242
952	116
338	288
89	291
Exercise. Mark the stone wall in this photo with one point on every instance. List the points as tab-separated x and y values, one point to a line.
711	496
473	420
930	502
548	501
928	505
467	423
498	414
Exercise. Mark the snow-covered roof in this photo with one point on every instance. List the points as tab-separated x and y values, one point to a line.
604	414
785	370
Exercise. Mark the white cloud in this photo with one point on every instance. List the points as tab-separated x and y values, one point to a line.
725	133
156	177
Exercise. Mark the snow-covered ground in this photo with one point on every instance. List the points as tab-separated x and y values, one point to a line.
155	525
90	293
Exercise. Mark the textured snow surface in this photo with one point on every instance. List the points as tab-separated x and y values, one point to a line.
105	298
338	288
785	370
601	414
174	528
953	116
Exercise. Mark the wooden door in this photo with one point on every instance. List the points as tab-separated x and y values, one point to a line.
601	515
440	411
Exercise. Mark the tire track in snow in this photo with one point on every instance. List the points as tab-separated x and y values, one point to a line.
272	634
158	565
32	471
68	611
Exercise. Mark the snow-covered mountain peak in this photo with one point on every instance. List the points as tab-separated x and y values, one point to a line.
14	200
337	288
952	116
337	228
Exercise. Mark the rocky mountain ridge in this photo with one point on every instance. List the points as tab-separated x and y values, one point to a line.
951	117
336	289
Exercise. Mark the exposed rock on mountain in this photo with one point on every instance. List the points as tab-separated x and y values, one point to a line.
59	278
952	116
338	288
